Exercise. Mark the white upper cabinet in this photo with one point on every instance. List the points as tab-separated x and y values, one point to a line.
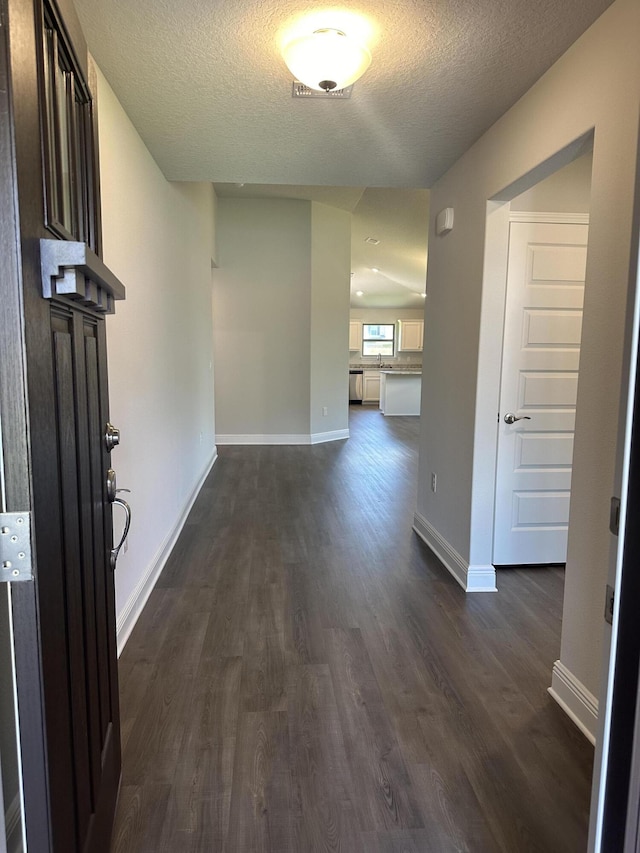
411	333
355	335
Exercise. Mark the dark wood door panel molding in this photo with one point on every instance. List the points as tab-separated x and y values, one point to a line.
73	270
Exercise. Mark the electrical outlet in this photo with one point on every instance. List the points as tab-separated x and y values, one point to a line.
325	411
434	482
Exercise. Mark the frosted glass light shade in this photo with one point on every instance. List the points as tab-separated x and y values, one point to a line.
326	59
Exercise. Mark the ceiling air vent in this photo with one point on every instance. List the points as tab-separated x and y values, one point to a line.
301	91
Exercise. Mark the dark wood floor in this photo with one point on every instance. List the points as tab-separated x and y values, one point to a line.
307	677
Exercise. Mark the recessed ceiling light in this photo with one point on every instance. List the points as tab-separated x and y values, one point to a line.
375	269
424	295
373	240
359	292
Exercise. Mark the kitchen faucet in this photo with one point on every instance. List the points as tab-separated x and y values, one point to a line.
379	359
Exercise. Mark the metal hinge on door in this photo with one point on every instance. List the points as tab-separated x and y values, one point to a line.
614	516
15	547
608	604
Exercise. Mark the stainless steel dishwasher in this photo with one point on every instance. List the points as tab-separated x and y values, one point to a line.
355	386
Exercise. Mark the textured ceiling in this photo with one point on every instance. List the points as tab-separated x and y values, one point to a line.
345	198
205	85
400	220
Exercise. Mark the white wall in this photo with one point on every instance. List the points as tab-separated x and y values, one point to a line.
330	294
158	239
261	309
566	191
281	308
594	86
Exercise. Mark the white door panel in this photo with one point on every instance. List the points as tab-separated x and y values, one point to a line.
552	328
556	294
550	265
542	450
541	354
547	390
534	509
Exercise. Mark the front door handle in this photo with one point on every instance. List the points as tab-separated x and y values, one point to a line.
111	485
510	418
113	559
112	497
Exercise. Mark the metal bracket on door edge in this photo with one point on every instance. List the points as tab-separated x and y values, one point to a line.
614	516
16	562
608	605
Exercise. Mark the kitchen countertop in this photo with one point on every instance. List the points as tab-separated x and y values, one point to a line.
390	367
400	371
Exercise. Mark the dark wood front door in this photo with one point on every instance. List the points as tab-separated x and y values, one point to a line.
55	295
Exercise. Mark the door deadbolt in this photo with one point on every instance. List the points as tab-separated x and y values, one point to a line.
111	437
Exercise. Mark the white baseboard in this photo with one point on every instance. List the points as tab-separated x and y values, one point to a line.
575	700
13	826
316	438
481	578
471	578
236	438
333	435
130	613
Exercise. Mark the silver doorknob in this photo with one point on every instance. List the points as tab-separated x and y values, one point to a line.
510	418
111	437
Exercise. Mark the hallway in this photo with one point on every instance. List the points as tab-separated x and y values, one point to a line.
307	677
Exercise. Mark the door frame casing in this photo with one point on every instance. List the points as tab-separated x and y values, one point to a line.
614	812
492	302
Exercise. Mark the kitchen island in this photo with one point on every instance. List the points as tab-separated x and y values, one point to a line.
400	392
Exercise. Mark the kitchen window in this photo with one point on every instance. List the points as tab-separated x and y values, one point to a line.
378	339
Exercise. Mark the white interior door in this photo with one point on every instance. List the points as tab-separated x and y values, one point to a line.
541	353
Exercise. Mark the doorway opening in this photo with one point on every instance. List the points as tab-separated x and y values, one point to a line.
543	307
534	282
389	237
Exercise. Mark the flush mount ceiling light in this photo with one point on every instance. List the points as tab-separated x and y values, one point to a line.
326	59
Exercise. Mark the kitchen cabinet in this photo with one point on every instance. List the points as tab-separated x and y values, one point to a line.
371	386
355	335
400	392
411	335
